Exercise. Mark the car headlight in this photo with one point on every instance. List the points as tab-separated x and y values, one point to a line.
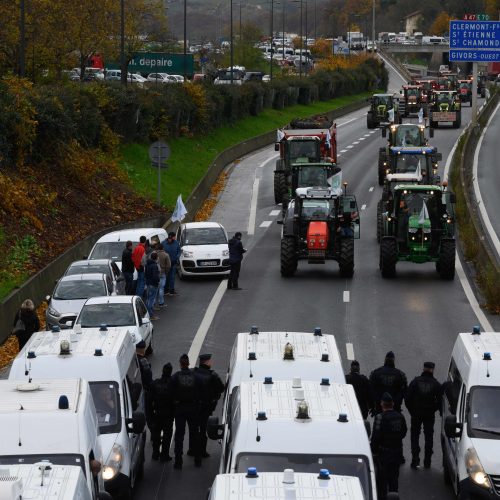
186	253
114	463
475	469
52	312
225	253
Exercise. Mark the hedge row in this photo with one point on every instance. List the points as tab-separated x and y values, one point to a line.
36	121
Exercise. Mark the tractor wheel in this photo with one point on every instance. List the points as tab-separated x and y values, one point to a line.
483	92
458	121
446	264
380	222
388	257
369	120
279	186
381	175
288	256
346	259
284	203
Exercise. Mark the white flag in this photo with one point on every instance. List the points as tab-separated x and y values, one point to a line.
279	135
180	210
424	214
391	115
328	139
336	181
421	115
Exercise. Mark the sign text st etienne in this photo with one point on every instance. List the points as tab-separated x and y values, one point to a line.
475	41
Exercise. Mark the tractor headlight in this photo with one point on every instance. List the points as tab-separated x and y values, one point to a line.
114	463
475	469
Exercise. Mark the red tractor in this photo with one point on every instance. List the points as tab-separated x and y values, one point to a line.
465	91
413	100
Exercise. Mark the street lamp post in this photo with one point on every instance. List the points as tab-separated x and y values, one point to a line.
272	37
301	41
185	40
232	44
123	65
373	24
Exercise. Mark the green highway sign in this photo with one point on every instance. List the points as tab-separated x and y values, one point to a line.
159	62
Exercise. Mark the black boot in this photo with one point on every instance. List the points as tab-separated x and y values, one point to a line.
178	462
427	462
155	455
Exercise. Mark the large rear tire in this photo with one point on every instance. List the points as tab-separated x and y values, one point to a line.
288	256
369	120
446	264
458	121
380	222
346	259
388	257
279	186
284	204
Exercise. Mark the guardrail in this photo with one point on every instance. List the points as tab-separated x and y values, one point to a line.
476	244
398	65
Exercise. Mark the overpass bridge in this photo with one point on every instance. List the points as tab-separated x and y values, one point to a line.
436	54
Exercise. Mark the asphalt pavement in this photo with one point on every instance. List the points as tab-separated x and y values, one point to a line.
416	315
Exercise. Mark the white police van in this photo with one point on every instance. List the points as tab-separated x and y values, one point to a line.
285	485
107	359
50	421
302	425
45	481
470	432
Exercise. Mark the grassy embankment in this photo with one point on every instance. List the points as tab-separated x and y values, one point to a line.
192	156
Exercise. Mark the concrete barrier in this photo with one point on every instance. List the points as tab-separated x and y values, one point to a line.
42	284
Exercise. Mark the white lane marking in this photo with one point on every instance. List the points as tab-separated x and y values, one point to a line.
350	351
458	263
199	338
347	296
371	189
348	121
373	131
356	142
367	135
274	213
266	223
253	207
477	191
361	138
343	151
264	163
350	147
363	207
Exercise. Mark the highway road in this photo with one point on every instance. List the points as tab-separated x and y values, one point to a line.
416	315
487	178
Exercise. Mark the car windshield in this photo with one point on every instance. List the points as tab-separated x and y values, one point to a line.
205	236
484	412
94	315
107	404
110	250
345	465
315	209
408	164
313	176
87	269
79	289
304	149
55	459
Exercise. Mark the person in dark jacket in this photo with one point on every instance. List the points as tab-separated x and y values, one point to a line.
362	388
26	323
128	268
236	252
389	430
389	379
144	365
160	415
152	278
212	388
172	247
423	399
185	388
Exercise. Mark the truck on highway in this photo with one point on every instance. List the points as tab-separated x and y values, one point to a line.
355	40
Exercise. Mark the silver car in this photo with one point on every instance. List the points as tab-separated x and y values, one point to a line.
106	266
71	293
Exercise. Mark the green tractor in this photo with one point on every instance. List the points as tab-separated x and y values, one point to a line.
320	224
445	107
418	226
381	108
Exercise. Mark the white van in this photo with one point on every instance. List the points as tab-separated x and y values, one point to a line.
433	40
108	361
50	421
285	485
470	431
111	245
275	425
45	481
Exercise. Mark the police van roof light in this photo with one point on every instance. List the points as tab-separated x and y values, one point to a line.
252	356
317	331
98	352
324	474
325	357
31	355
487	356
476	330
343	418
254	330
296	382
325	381
64	347
63	402
303	411
103	327
252	472
55	328
261	415
288	354
288	476
268	380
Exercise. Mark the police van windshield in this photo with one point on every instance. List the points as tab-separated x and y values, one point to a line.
110	250
345	465
484	413
79	289
94	315
61	459
107	404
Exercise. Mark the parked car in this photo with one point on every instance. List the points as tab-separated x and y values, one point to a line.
70	295
161	78
113	75
105	266
124	311
136	79
179	78
204	249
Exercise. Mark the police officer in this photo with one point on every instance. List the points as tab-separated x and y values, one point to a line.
212	388
160	415
423	399
362	388
389	430
145	367
389	379
185	390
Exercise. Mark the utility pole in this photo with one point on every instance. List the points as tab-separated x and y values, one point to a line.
185	40
123	64
232	44
241	39
315	25
272	38
373	24
22	39
301	41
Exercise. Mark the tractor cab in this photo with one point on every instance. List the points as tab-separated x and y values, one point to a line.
302	149
380	106
315	175
445	100
418	163
465	91
412	99
419	226
406	134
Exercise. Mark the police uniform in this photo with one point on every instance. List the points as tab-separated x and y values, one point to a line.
211	389
389	430
362	389
423	399
389	379
144	365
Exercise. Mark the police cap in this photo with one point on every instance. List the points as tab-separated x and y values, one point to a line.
205	357
390	355
429	364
